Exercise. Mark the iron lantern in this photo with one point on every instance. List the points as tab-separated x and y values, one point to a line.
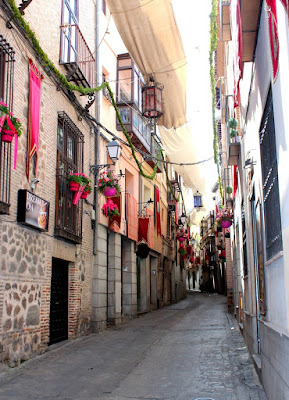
114	149
198	200
152	100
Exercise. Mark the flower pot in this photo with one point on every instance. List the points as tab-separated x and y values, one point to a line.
84	195
7	135
181	239
226	223
74	186
109	191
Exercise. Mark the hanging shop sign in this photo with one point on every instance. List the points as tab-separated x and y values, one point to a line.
32	210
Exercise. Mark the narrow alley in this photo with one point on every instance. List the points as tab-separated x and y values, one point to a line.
189	350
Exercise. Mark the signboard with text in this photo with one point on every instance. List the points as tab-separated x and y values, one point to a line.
32	210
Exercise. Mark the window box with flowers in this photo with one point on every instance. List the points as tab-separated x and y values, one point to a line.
108	183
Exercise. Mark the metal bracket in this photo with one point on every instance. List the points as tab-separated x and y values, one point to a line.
96	168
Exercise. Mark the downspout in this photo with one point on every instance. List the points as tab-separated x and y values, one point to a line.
94	299
97	129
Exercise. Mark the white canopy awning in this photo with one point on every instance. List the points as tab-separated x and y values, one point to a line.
151	36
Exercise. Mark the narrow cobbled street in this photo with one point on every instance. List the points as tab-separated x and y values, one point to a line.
189	350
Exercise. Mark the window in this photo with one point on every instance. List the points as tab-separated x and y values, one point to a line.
68	220
69	32
6	95
130	81
270	181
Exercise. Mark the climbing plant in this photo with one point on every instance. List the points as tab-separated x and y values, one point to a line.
213	47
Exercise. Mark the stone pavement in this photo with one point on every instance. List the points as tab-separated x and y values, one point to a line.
192	349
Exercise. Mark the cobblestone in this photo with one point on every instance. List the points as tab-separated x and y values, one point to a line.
187	351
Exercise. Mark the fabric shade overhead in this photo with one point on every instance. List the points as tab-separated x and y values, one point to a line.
150	34
181	146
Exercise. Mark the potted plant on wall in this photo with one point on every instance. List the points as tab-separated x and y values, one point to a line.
75	180
9	124
108	183
233	123
229	201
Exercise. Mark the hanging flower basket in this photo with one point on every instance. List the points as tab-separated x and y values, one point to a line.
224	218
84	195
108	183
110	191
226	223
109	209
74	186
181	235
7	135
10	126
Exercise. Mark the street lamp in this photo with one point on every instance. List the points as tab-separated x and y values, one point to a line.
183	219
198	200
113	149
152	100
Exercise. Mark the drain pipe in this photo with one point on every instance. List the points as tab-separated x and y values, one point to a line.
94	299
97	129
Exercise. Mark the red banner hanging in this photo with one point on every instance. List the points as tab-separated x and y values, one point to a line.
143	226
273	33
114	222
151	230
237	45
132	217
35	79
157	211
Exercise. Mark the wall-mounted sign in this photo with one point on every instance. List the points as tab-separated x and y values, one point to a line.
32	210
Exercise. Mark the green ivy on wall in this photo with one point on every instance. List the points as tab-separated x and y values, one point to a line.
213	47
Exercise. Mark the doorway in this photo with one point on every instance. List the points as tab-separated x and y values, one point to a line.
59	301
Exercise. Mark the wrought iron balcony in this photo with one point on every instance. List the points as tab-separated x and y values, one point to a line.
76	56
137	126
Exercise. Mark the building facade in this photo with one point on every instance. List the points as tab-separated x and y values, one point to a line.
66	269
257	168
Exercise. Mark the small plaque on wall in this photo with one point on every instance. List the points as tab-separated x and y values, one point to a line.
32	210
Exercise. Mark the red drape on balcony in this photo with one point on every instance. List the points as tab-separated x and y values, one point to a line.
132	217
273	33
237	45
151	231
35	79
114	222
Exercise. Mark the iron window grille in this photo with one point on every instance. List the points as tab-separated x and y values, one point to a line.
68	217
272	213
7	59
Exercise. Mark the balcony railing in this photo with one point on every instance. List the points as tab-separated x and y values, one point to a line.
136	125
76	56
